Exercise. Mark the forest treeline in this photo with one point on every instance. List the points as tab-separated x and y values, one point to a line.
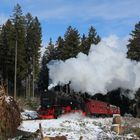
24	31
66	47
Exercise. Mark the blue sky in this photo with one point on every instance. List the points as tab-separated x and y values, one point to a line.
107	16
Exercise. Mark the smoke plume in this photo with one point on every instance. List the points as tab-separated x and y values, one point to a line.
105	68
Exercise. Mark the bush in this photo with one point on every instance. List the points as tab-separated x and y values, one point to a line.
9	115
136	131
29	103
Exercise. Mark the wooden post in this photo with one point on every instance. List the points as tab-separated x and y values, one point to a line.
117	124
41	132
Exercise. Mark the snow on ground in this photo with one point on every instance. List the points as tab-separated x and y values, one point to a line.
73	126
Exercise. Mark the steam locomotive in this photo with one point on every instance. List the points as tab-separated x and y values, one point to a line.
54	104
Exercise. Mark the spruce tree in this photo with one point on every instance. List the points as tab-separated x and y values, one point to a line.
50	51
7	53
59	48
48	55
33	45
18	20
92	38
134	44
25	31
29	51
84	44
133	53
37	35
60	42
71	43
43	81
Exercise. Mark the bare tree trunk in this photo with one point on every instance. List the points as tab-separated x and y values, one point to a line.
29	85
15	77
33	78
26	86
7	86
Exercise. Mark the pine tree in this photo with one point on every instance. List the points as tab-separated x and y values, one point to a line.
28	20
59	48
18	21
48	55
19	27
29	51
37	35
92	38
33	45
71	43
84	44
7	53
134	44
50	51
60	42
133	53
43	81
25	33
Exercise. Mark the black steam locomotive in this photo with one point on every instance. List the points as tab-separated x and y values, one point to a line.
56	103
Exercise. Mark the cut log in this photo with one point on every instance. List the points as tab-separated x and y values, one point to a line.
117	119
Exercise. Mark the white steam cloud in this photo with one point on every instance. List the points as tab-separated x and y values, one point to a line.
104	69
